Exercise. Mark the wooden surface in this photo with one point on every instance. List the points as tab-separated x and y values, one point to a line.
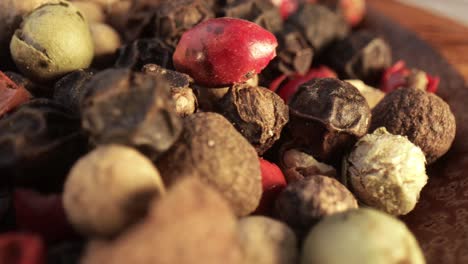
447	36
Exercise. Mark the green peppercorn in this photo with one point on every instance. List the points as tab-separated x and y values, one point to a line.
53	40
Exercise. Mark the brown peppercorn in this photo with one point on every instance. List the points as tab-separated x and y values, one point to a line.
297	165
130	182
133	109
70	89
211	148
192	224
306	201
185	100
209	98
424	118
327	116
257	113
140	52
267	241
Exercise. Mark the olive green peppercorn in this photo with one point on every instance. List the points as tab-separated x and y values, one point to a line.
53	40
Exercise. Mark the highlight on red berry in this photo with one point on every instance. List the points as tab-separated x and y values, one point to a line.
223	51
401	76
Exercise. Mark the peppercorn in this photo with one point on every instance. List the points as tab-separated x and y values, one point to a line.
91	10
257	113
209	98
327	116
140	52
362	55
361	236
212	149
40	142
320	26
386	171
134	109
304	202
16	248
70	89
223	51
192	224
352	10
183	96
166	20
267	241
423	117
297	165
110	189
36	89
53	40
400	76
273	182
373	96
106	42
11	94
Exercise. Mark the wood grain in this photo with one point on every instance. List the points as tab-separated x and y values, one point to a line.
445	35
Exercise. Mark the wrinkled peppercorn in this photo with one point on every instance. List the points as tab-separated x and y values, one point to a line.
164	19
304	202
143	51
327	116
261	12
211	148
257	113
362	55
319	25
133	109
70	89
39	143
423	117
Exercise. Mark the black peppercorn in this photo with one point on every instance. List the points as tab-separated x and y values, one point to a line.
304	202
319	25
424	118
257	113
39	143
327	116
132	109
70	89
143	51
362	55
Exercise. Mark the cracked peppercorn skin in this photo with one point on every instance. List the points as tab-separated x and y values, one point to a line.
423	117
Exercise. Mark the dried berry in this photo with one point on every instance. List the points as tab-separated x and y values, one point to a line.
183	96
223	51
423	117
287	90
40	214
304	202
92	11
210	99
373	96
212	149
106	42
145	51
327	116
267	241
193	224
133	109
166	20
362	55
262	12
36	89
257	113
53	40
273	183
70	89
298	165
40	142
130	182
16	248
319	25
11	94
386	171
361	236
400	76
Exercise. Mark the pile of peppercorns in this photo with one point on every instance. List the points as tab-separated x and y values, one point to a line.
209	131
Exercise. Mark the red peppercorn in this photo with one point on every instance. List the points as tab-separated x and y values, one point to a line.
11	95
16	248
223	51
40	214
273	182
399	75
286	7
287	90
